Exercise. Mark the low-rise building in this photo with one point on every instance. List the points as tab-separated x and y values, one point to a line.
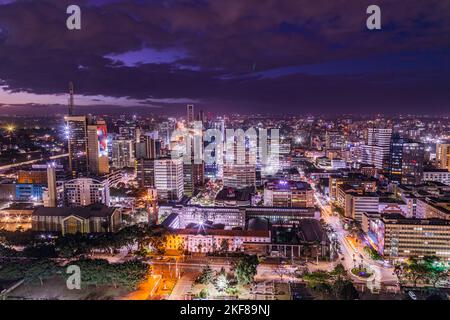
94	218
398	237
439	175
231	197
284	193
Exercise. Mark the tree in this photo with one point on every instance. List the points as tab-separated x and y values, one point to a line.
317	278
6	251
40	270
372	253
40	250
224	245
203	294
245	269
206	276
414	270
99	272
30	271
221	282
339	272
345	290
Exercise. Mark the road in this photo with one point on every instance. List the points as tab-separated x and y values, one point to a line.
351	255
19	164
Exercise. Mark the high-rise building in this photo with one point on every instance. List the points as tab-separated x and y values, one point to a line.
169	178
190	114
145	172
334	140
122	153
239	176
147	148
51	185
406	161
377	147
85	191
98	148
443	155
193	177
77	144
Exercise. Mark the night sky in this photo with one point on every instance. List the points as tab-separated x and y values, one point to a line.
273	56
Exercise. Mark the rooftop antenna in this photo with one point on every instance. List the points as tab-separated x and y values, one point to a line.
71	98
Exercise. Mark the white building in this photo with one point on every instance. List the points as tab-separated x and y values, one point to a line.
122	153
85	191
376	150
439	175
169	178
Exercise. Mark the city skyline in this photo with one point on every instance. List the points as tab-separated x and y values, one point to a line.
293	57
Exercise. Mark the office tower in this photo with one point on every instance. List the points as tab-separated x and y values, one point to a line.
377	147
193	177
147	148
239	176
334	140
98	148
169	178
85	191
122	153
443	155
77	144
145	172
51	185
190	114
406	161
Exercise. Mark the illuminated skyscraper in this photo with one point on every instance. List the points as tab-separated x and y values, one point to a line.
77	144
376	150
169	178
98	148
51	183
406	161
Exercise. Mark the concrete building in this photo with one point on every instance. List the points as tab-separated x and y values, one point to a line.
398	237
77	144
123	153
239	176
282	193
169	178
85	191
439	175
376	149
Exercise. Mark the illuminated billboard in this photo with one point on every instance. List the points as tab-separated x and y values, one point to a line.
102	140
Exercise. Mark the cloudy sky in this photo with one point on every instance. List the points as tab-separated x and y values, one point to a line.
274	56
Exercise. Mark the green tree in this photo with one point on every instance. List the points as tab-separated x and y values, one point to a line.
345	290
206	276
339	272
245	269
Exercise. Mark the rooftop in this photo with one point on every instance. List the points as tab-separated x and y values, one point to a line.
93	210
